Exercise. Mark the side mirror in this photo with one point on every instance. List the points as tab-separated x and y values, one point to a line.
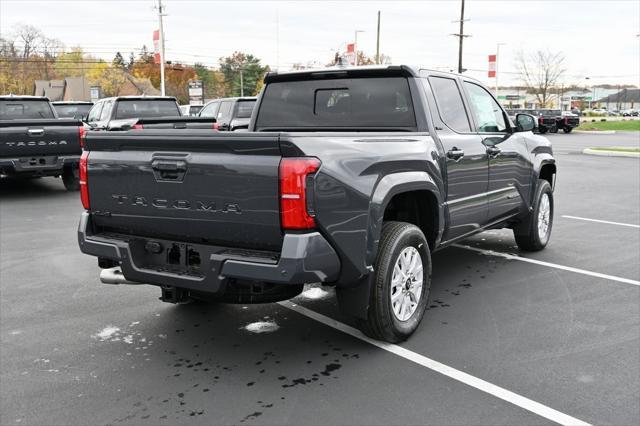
525	123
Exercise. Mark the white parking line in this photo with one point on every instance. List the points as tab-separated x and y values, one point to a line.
490	388
602	221
549	264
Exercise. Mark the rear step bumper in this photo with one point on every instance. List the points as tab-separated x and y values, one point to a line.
305	258
42	165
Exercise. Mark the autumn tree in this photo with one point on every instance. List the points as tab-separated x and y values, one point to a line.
242	73
213	81
118	61
540	72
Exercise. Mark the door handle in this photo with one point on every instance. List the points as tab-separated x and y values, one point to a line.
35	132
455	154
493	151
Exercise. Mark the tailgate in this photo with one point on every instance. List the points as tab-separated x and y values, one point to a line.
26	138
197	185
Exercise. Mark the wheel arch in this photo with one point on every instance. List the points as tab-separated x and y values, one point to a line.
413	190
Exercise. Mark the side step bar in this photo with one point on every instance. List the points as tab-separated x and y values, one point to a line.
114	276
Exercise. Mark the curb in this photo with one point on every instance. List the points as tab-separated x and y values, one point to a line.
590	151
596	132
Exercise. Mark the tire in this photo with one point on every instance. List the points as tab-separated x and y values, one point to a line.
567	129
553	130
542	130
70	178
530	235
395	321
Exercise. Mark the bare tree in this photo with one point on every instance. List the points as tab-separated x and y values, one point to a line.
540	72
30	37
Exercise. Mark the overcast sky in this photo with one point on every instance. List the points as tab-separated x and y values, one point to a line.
599	38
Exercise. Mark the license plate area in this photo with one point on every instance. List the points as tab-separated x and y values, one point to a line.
169	257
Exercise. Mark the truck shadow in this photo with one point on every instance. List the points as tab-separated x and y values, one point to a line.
17	189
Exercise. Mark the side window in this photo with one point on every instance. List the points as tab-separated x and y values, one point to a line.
210	110
450	104
106	111
224	114
94	114
488	114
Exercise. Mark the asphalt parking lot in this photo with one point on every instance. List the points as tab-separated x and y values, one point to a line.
554	338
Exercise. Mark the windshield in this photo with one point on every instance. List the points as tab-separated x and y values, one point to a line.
147	108
340	104
25	109
72	111
245	108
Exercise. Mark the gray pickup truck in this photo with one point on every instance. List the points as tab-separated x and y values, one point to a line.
347	177
142	112
35	143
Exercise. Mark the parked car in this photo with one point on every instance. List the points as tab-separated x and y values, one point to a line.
127	112
347	177
546	122
629	113
190	110
72	109
35	143
230	113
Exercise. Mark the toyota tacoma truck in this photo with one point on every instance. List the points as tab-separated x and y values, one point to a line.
347	177
35	143
142	112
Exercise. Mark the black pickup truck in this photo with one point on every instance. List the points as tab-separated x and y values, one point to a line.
347	177
138	112
35	143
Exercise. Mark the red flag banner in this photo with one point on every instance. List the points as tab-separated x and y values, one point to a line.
156	46
492	66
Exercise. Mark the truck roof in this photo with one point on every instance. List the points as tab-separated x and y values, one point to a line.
360	71
237	98
148	98
72	103
23	98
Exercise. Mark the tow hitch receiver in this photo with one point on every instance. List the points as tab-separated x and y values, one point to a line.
172	294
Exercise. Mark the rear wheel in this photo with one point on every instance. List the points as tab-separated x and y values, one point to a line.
554	129
402	279
533	233
542	130
567	129
70	178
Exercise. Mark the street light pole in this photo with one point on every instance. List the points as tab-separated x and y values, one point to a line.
160	15
355	47
497	62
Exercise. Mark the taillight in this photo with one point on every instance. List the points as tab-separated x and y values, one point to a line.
138	126
295	212
82	134
216	126
82	171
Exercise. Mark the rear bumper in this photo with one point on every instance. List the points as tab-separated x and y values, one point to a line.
305	258
37	165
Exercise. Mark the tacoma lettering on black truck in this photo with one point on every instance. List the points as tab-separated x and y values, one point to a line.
35	143
347	177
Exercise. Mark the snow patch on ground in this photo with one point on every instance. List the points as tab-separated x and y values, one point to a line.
15	332
107	333
262	327
314	293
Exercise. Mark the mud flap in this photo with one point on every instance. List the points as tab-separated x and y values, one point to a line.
354	300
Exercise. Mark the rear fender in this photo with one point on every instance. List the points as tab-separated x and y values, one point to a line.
388	187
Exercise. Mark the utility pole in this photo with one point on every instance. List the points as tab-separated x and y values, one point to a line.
241	84
461	35
378	41
160	15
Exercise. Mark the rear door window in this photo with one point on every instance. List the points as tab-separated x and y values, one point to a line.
94	114
450	104
244	108
338	104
